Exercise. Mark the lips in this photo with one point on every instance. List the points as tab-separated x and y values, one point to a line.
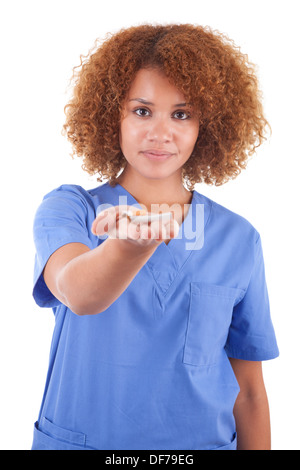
154	154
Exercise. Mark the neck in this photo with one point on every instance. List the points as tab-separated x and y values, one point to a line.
155	191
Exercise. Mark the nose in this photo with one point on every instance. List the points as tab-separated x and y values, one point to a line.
159	131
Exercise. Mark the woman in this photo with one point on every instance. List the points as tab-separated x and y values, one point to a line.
160	326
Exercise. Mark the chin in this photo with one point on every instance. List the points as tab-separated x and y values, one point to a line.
156	175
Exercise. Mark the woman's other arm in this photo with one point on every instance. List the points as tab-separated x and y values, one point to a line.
251	409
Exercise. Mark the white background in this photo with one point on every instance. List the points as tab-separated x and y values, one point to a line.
41	42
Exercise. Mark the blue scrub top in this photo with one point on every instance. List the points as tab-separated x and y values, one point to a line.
152	371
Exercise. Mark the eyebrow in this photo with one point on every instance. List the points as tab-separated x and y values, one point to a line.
141	100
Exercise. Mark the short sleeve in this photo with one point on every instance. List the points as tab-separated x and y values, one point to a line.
251	334
61	218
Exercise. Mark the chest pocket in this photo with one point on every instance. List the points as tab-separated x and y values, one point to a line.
209	319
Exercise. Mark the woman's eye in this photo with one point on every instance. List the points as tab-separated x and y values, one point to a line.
144	112
181	115
141	112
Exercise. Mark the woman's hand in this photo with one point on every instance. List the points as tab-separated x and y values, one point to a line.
115	224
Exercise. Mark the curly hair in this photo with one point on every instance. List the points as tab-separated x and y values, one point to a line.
205	65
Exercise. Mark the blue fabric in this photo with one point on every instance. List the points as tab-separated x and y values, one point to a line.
152	371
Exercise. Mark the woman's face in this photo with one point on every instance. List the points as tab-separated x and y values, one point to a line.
158	129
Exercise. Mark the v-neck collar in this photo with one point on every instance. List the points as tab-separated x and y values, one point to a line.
168	260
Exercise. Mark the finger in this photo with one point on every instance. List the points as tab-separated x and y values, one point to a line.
104	218
133	231
124	230
99	217
156	230
105	222
145	232
172	229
